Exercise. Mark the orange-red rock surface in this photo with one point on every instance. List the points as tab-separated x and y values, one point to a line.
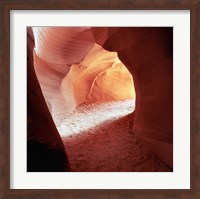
72	69
101	76
148	54
45	149
76	65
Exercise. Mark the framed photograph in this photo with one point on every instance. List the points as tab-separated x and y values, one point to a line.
100	99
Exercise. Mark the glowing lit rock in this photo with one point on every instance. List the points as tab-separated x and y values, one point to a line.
99	77
56	48
115	83
146	52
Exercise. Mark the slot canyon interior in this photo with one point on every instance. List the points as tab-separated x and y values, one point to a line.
99	99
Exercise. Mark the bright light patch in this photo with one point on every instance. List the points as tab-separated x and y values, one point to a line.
86	117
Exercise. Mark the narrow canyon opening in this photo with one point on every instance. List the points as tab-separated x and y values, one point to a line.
91	97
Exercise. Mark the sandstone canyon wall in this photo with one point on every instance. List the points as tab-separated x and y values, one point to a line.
148	54
45	149
72	69
76	65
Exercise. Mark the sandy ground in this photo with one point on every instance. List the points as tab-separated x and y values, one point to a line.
98	137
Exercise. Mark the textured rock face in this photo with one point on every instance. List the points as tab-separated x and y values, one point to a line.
72	69
56	49
148	54
45	150
62	45
100	77
67	78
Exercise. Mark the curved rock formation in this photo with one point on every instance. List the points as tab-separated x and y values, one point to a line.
148	54
56	49
92	79
88	79
45	149
61	45
72	69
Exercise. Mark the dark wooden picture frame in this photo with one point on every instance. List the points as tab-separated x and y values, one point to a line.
7	5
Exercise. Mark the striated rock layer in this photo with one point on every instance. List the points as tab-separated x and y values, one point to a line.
45	149
72	69
148	54
100	77
77	65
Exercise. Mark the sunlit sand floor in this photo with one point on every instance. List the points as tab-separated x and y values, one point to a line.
98	137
